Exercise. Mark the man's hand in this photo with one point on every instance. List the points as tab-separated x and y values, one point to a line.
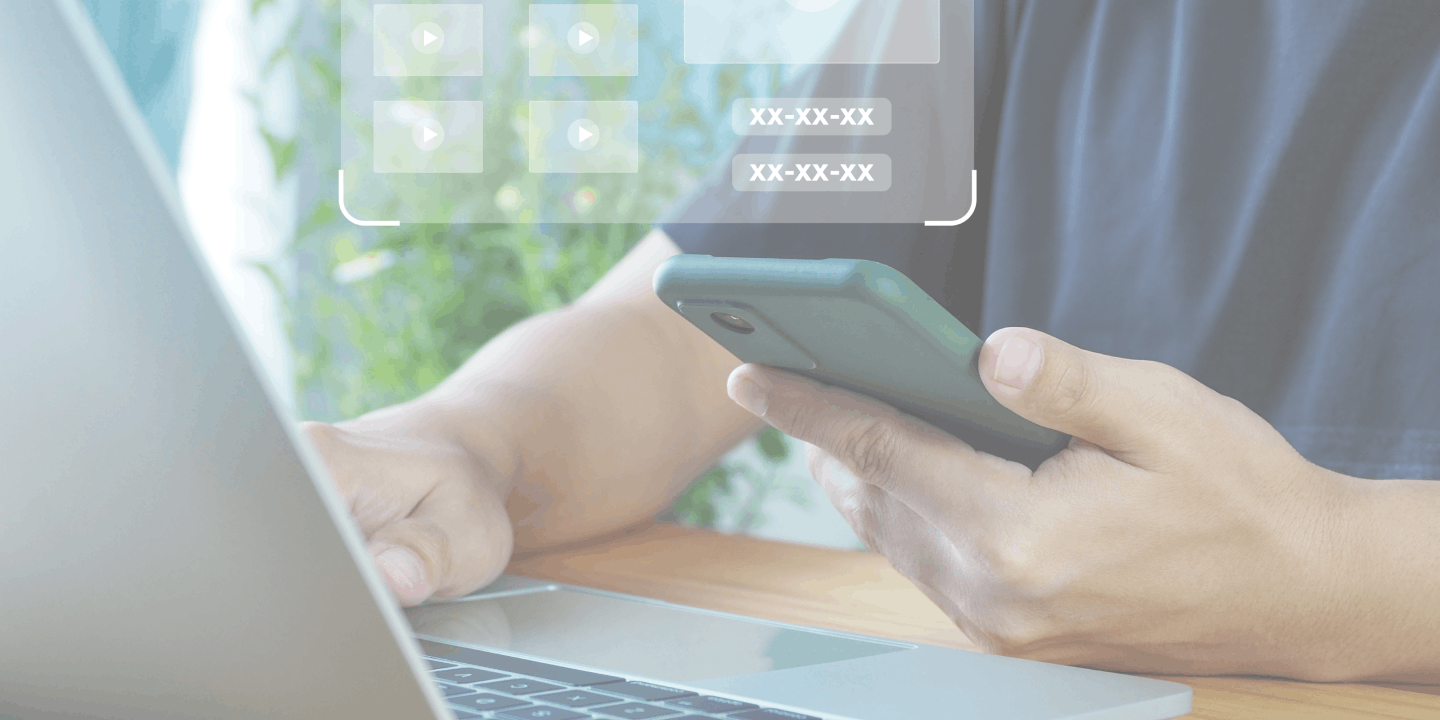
556	431
1179	532
432	513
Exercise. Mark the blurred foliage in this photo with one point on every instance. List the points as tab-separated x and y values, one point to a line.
734	495
379	316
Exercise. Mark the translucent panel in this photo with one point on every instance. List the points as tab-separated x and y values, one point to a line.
678	111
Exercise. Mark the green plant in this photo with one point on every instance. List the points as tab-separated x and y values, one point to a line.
733	495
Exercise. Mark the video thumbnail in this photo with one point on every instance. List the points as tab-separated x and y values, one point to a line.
577	40
584	137
412	136
420	40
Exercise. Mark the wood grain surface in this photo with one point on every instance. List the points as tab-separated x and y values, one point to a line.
860	592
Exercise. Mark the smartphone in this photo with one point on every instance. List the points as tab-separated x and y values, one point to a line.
858	325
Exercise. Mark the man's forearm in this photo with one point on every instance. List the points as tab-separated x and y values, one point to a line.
598	413
1389	618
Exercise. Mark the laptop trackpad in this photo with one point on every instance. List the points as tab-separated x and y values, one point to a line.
633	636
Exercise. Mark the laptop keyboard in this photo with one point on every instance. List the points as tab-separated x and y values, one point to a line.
480	684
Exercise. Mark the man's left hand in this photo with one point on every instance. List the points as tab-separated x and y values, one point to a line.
1179	532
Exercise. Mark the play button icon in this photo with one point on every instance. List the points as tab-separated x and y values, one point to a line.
428	38
584	134
583	38
428	134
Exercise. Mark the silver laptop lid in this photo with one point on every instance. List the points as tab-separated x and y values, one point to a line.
164	552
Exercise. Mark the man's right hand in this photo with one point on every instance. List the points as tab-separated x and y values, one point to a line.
433	514
568	425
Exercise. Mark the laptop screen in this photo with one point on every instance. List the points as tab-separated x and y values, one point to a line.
634	637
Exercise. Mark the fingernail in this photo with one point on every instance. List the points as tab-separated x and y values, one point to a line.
751	392
1018	363
402	567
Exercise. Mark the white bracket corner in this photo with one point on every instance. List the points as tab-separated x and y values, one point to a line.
974	202
363	223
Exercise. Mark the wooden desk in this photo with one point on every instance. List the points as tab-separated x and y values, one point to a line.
859	592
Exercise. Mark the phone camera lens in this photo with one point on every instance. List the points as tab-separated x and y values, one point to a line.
732	323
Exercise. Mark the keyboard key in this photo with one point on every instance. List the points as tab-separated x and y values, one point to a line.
486	701
438	664
518	686
646	691
772	714
577	698
538	712
634	710
710	704
453	690
516	666
467	715
465	676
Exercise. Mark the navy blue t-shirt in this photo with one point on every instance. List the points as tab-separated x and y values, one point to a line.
1248	191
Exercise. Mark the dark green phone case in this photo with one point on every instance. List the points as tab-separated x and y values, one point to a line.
858	325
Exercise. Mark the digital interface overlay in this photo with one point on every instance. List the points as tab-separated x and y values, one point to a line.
680	111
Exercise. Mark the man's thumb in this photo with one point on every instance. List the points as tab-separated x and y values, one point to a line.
447	546
404	571
1109	401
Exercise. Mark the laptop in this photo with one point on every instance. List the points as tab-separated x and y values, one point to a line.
171	548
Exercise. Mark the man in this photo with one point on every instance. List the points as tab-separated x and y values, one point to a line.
1245	192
